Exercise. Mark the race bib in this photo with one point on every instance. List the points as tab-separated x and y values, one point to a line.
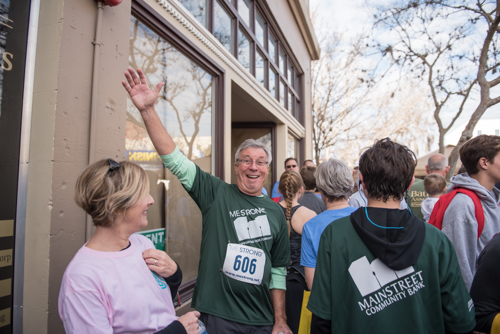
244	263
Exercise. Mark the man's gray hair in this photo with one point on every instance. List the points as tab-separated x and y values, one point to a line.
437	162
334	179
252	143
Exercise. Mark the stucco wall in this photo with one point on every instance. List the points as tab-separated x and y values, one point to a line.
55	226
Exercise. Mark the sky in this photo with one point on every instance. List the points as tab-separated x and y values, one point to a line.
352	16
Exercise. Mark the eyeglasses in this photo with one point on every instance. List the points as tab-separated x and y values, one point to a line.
249	162
113	165
291	166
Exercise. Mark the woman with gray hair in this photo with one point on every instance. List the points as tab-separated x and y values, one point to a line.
335	183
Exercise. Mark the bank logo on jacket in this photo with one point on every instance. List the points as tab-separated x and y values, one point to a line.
374	279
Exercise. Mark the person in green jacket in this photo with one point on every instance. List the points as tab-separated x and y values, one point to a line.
244	247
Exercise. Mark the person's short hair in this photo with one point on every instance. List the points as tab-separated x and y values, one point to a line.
306	161
483	146
252	143
105	192
308	177
290	184
289	159
434	184
387	169
334	180
437	162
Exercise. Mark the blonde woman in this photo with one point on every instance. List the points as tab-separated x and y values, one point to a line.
118	282
291	186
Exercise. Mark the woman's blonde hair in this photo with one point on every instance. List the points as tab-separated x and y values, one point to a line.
107	189
290	184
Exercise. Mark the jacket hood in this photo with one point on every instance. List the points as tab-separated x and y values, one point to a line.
465	181
396	248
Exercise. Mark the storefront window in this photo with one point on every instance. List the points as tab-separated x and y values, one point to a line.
259	68
282	93
244	50
260	27
272	48
293	147
223	26
272	83
244	11
185	109
198	8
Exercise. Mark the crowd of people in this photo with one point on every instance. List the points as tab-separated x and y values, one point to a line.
398	255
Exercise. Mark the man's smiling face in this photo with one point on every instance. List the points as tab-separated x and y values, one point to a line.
250	176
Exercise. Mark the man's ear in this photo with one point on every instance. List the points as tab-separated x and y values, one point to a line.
447	169
483	163
427	169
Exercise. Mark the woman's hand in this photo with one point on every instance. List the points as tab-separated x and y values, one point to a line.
190	322
137	86
159	262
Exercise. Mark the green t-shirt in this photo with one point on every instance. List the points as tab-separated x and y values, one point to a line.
359	294
231	217
416	196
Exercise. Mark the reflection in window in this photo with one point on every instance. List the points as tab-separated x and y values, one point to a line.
185	109
244	11
272	48
290	148
243	49
198	8
282	62
297	82
272	83
259	69
297	109
289	101
290	74
260	27
282	92
223	26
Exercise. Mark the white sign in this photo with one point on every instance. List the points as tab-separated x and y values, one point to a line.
244	263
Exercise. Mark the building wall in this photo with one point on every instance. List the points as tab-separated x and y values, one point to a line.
59	149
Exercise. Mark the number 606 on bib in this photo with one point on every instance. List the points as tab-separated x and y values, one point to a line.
244	263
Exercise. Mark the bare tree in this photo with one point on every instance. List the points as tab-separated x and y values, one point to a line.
353	102
340	88
452	46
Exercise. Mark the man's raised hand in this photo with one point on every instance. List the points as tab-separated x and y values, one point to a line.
136	85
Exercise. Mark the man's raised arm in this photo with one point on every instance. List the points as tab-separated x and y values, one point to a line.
144	100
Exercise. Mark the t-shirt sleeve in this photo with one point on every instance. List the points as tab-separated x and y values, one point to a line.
307	254
320	302
180	166
204	189
280	251
458	308
84	312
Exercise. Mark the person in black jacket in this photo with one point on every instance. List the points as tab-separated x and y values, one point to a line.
485	290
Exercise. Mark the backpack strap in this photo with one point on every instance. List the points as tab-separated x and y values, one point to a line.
478	209
444	201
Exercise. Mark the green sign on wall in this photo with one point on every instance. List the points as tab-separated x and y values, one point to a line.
157	236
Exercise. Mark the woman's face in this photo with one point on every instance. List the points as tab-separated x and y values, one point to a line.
136	216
